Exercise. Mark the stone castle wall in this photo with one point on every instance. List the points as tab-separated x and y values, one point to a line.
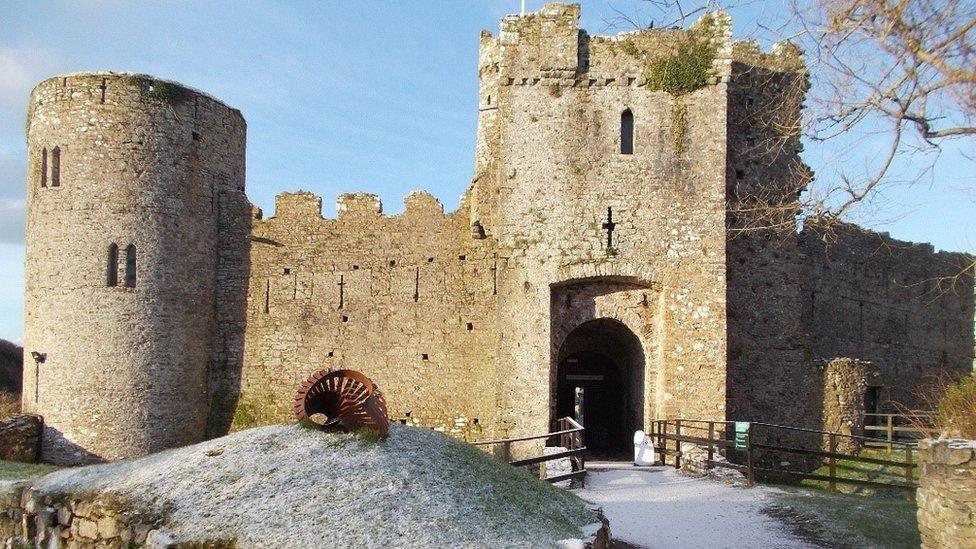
764	175
147	163
898	305
406	299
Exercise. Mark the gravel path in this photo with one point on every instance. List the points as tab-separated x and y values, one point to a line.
656	507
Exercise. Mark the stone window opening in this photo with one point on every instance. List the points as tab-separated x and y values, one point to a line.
130	266
112	271
56	167
627	132
470	326
44	167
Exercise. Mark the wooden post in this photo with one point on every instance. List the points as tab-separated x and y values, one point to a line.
832	461
662	431
891	431
677	444
751	471
711	452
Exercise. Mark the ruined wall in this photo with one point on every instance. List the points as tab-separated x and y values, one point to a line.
557	169
845	381
770	375
409	300
142	162
898	305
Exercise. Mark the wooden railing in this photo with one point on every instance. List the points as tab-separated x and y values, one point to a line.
903	427
567	434
668	435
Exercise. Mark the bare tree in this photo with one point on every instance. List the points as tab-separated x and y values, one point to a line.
900	71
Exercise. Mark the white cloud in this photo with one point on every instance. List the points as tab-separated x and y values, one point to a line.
22	69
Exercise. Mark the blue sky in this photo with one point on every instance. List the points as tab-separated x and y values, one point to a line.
340	96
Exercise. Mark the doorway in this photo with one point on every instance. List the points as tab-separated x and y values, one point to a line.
600	383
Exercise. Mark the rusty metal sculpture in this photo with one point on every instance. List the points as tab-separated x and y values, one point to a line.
348	400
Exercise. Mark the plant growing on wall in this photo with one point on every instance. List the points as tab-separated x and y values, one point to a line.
689	67
679	126
166	92
687	70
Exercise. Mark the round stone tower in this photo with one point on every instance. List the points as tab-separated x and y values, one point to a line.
128	176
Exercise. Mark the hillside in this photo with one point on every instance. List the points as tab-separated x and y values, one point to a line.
11	367
290	486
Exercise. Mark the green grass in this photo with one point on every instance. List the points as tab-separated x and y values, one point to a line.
845	520
12	470
866	471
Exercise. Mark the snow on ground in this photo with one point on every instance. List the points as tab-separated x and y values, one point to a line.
289	486
657	507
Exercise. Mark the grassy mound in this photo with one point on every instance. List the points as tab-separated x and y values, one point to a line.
289	486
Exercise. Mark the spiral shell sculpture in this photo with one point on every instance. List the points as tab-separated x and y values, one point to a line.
349	400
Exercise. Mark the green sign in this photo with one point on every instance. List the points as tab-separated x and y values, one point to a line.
741	435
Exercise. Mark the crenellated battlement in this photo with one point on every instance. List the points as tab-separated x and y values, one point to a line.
299	204
305	205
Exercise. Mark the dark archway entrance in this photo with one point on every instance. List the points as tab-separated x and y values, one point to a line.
600	380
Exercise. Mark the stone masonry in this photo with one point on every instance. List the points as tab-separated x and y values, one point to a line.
604	223
947	493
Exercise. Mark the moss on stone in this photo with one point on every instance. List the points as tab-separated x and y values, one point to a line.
173	94
254	410
679	127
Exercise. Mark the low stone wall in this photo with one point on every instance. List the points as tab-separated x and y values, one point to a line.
947	493
29	519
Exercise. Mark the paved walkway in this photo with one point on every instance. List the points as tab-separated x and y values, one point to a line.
656	507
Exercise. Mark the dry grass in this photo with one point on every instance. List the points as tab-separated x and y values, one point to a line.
953	401
955	414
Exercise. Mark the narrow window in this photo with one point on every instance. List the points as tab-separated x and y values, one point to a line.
44	167
112	276
130	266
627	132
56	167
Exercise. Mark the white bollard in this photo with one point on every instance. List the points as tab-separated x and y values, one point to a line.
643	449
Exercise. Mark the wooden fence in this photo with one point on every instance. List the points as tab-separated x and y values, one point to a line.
668	435
904	427
567	434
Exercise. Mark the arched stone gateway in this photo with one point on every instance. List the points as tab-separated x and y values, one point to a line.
600	381
603	369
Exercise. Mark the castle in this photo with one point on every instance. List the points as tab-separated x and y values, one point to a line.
596	264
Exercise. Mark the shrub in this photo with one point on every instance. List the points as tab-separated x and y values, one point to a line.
955	412
686	70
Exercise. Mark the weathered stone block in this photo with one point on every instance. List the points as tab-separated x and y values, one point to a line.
20	438
947	493
87	529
